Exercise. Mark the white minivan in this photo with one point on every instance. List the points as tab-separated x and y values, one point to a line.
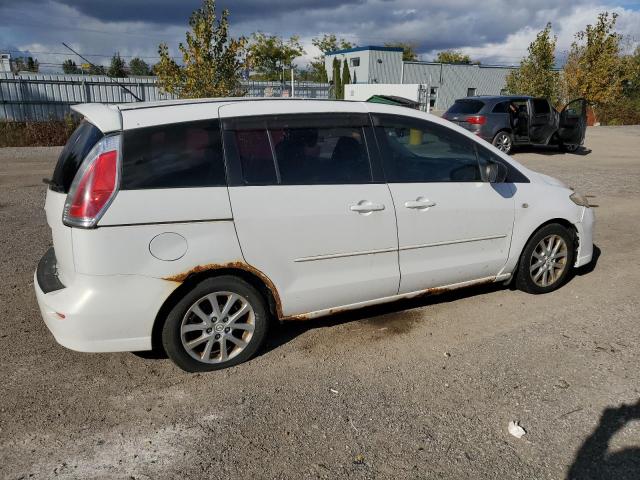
192	224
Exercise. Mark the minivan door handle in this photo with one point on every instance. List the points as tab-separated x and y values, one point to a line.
365	206
420	203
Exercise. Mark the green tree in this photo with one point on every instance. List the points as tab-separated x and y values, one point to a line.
346	75
536	75
594	68
269	55
625	108
212	60
117	68
26	64
408	50
139	67
327	43
97	70
70	67
337	81
452	56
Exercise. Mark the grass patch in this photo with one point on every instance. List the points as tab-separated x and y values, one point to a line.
37	134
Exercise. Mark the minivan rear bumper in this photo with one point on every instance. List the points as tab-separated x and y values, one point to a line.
100	313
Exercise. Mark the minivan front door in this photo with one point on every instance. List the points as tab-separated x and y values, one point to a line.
453	227
573	122
308	211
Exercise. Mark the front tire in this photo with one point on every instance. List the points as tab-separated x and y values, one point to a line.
546	260
221	322
503	142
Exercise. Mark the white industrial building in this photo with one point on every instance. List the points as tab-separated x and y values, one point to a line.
5	63
442	83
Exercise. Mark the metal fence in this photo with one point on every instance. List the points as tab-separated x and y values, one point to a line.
40	97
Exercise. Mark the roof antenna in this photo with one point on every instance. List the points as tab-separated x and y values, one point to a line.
121	86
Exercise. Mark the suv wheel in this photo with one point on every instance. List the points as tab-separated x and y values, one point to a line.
503	142
222	322
546	260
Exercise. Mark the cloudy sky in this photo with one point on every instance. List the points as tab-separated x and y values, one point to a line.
493	31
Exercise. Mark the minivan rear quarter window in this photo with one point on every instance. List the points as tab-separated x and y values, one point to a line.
179	155
82	140
466	106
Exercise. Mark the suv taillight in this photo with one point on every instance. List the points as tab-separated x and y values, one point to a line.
95	184
476	120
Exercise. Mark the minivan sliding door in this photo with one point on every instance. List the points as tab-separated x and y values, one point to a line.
308	210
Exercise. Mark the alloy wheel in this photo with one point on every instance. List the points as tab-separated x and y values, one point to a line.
503	142
217	327
548	260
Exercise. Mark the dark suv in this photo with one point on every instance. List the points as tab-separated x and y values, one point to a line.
506	121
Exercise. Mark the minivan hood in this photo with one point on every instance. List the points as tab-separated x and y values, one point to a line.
554	182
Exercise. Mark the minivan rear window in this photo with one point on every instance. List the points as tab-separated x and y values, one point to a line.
78	146
466	106
179	155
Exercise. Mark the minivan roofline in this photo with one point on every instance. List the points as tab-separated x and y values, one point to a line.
108	117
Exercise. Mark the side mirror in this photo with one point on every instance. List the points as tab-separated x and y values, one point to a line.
495	172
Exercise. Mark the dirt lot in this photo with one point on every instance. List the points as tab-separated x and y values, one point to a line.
418	390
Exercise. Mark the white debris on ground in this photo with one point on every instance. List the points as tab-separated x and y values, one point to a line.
516	430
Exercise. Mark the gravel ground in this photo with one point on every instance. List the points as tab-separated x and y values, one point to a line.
414	390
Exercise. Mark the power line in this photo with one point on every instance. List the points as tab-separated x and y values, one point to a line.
30	52
121	86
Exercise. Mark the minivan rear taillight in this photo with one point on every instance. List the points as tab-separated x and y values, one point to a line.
476	120
95	184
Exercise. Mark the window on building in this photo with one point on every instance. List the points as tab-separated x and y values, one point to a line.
420	151
178	155
354	62
471	92
433	95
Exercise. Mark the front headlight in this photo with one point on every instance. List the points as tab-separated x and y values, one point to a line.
579	199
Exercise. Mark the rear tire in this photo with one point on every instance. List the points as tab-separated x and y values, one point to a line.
569	147
221	322
546	260
503	141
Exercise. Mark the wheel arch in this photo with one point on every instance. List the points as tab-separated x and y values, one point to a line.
499	130
560	221
188	280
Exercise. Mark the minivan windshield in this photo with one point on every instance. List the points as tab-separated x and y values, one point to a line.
466	106
78	146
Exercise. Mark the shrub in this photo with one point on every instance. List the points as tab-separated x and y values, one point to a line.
37	134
